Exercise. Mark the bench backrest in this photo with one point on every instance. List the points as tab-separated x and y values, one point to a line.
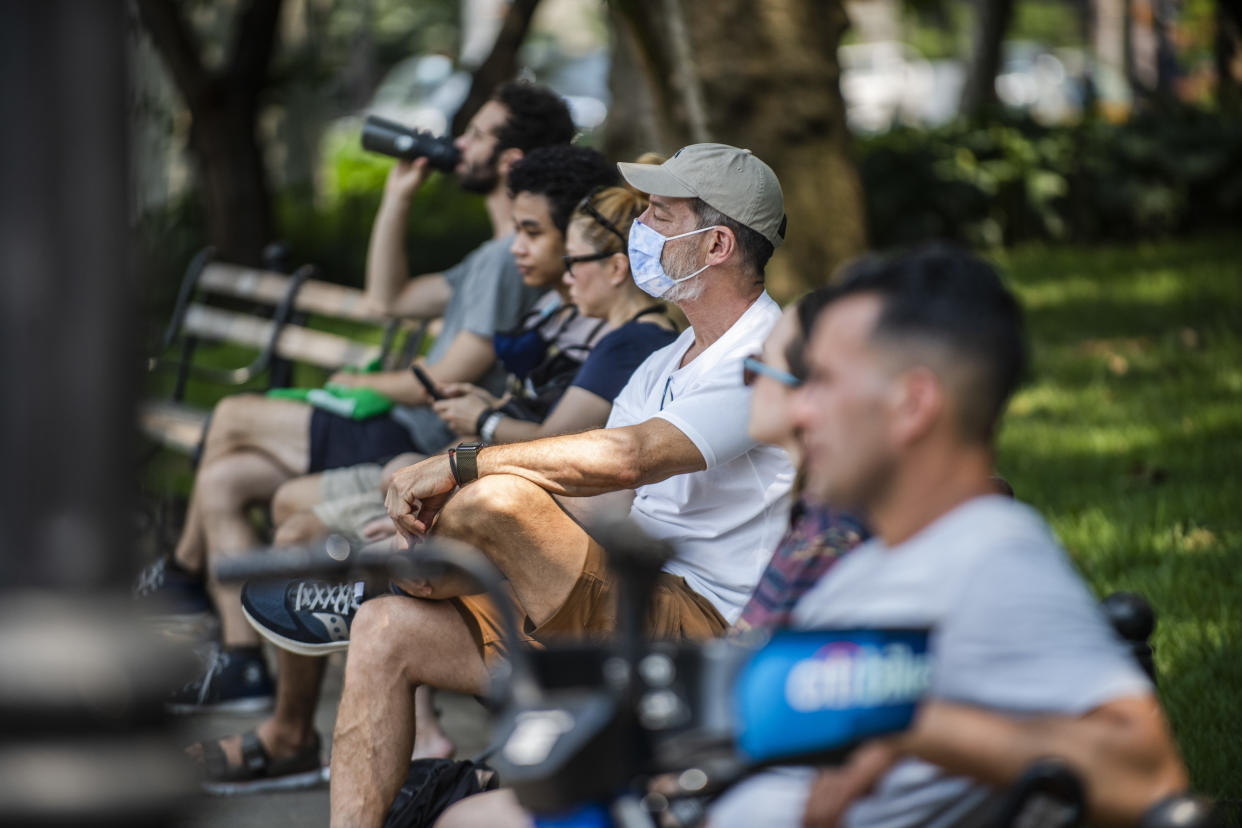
261	309
273	329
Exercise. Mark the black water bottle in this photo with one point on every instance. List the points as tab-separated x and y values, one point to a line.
399	141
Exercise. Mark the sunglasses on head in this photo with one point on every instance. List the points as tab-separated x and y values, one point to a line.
585	206
754	365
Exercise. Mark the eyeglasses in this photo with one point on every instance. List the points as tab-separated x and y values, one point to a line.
570	261
584	206
753	366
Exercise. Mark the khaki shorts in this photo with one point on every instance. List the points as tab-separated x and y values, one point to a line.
676	611
351	499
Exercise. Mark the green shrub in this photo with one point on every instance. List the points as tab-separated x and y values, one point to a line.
1002	183
445	222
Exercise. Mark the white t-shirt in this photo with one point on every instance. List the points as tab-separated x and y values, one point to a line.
1015	631
724	521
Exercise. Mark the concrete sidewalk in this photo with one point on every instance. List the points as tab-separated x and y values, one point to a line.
463	718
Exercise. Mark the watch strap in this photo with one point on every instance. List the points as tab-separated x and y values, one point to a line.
452	456
466	457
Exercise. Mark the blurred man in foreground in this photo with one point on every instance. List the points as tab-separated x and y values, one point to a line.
909	368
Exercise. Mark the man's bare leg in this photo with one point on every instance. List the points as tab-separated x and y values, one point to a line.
526	535
295	496
397	644
278	428
191	549
281	428
430	741
226	487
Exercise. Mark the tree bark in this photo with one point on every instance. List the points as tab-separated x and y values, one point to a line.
768	76
500	64
991	22
224	109
1228	54
634	125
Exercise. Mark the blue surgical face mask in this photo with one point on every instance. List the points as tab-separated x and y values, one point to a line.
646	246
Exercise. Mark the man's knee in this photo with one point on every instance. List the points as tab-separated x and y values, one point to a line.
234	418
486	501
217	486
300	527
231	411
383	627
289	500
400	636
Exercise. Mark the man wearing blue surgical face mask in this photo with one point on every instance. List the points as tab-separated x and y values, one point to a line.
647	250
676	447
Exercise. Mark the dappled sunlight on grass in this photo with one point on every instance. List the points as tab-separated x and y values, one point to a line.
1129	439
1160	287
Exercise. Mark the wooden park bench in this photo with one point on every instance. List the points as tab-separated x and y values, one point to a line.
265	311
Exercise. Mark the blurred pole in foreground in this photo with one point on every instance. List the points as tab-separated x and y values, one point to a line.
80	719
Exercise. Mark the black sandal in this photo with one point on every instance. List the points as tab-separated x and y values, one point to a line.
258	772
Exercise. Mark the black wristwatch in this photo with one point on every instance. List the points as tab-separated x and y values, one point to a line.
463	461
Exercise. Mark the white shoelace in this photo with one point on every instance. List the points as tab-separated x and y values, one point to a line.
214	661
150	579
340	598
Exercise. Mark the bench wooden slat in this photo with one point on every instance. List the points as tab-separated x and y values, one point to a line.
265	286
296	343
171	424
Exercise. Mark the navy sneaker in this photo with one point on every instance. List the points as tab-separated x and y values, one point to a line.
163	588
174	602
307	616
232	681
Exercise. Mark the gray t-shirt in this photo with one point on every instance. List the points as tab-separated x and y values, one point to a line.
1015	631
488	296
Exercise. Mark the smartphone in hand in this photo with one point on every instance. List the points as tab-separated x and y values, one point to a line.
426	381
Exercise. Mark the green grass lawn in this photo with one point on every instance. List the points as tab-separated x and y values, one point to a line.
1128	438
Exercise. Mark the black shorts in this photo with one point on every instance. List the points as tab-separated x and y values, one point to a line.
336	442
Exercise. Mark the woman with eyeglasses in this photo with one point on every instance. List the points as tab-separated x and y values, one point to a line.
590	266
817	535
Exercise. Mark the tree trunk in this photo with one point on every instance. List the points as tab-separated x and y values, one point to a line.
1228	54
633	126
1152	65
500	65
764	75
1110	57
991	22
224	109
232	179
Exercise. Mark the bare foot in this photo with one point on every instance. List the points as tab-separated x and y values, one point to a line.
430	742
433	746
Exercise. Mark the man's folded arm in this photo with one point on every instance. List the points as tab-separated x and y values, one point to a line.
598	461
1121	750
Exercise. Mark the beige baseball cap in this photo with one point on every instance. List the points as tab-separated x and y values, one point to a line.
729	179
